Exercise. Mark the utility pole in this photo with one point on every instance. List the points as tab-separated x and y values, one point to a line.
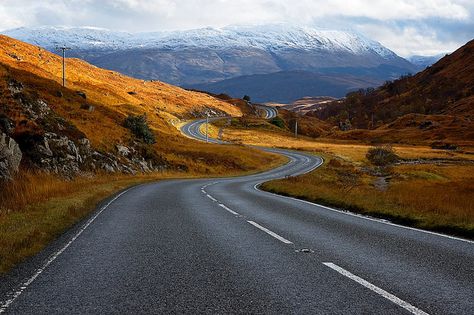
64	48
207	123
296	128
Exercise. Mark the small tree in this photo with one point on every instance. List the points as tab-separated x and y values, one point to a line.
139	126
246	98
277	121
382	155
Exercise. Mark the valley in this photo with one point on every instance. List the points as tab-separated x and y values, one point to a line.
233	169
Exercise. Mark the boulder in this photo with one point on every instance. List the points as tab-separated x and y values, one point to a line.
10	157
122	150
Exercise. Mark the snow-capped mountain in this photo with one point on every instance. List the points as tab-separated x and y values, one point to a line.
266	37
209	55
85	38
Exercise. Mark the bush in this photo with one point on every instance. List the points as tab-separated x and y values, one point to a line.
277	121
139	126
246	98
382	155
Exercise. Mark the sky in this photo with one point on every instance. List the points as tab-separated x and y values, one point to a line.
408	27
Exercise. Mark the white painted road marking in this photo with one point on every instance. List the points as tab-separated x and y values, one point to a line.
278	237
4	305
212	198
230	210
412	309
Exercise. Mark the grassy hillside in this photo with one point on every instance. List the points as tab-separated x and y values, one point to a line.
436	104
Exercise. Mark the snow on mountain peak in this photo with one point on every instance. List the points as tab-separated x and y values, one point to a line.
271	37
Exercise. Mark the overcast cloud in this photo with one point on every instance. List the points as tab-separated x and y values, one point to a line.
425	27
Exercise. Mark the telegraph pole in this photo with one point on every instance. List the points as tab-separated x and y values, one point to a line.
64	48
207	123
296	128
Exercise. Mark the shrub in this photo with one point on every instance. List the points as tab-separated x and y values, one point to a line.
382	155
246	98
277	121
139	126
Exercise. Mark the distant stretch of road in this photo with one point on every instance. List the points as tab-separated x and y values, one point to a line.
224	246
269	111
192	130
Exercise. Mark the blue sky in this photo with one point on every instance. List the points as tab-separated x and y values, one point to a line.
408	27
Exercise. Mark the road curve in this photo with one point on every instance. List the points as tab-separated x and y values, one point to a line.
224	246
269	111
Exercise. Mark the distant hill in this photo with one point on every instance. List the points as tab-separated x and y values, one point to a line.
308	104
437	103
213	54
288	86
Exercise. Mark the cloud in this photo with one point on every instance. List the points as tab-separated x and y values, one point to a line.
418	22
410	40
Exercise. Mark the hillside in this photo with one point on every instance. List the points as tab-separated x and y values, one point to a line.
308	104
288	86
435	104
208	55
82	127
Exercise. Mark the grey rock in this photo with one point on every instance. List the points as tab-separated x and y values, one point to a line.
15	87
122	150
10	156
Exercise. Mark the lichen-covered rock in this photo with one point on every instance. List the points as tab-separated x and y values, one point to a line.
10	156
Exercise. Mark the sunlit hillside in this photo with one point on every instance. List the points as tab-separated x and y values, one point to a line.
112	95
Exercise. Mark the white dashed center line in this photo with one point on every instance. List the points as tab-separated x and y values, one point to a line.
226	208
278	237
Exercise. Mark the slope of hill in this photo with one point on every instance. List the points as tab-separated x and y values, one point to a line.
442	97
211	54
288	86
82	127
308	104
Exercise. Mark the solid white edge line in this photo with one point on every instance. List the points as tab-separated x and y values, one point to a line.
412	309
360	216
4	305
278	237
226	208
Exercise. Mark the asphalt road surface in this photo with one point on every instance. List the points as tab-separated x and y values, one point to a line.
269	111
224	246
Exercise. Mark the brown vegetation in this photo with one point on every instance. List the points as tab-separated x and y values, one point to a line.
435	104
429	188
424	196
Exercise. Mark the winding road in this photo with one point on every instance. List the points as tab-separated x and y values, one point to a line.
269	111
224	246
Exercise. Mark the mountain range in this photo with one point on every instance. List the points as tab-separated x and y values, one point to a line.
201	57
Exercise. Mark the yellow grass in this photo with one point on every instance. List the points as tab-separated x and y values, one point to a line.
438	197
421	196
350	151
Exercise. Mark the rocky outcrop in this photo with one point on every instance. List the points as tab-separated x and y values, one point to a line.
59	154
10	157
50	143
